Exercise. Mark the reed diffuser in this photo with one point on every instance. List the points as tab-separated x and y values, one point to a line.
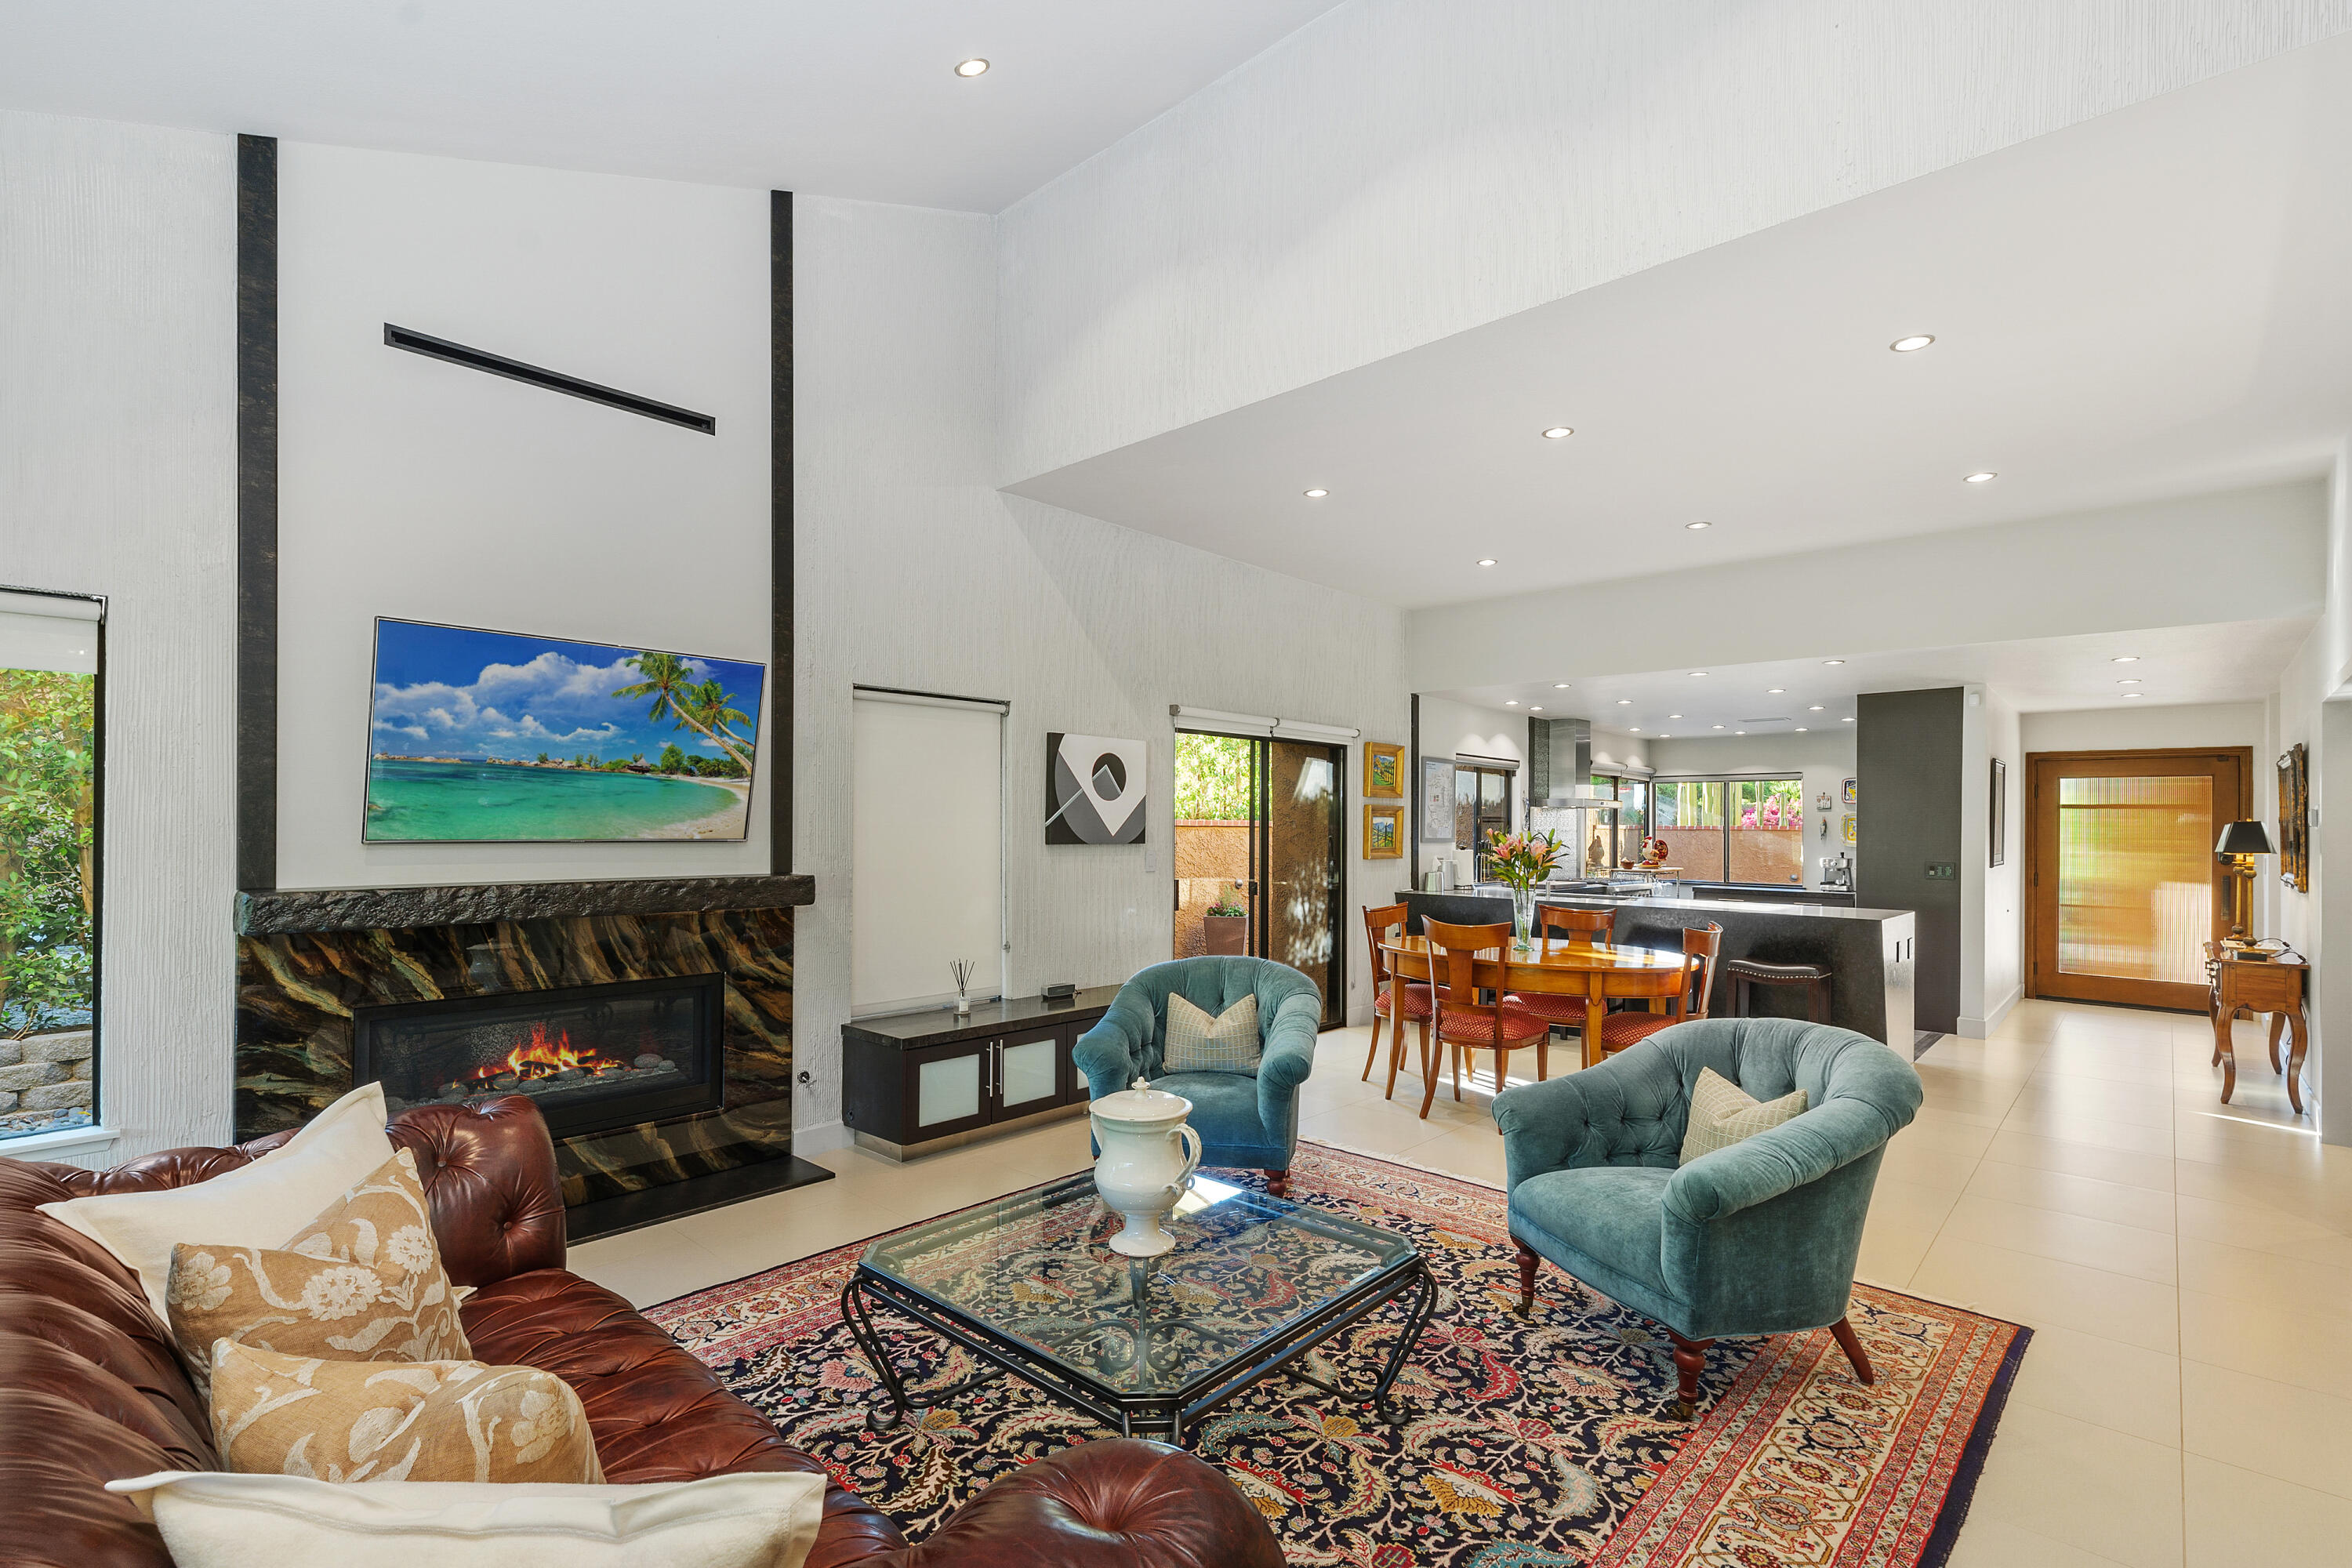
961	969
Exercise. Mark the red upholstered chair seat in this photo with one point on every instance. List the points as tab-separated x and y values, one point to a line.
1569	1010
1460	1025
1619	1030
1417	1001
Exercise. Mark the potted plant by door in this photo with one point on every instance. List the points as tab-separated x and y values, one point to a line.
1225	928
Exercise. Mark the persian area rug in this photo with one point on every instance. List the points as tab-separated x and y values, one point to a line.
1524	1443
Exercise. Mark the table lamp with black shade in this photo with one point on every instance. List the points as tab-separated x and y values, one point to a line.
2239	843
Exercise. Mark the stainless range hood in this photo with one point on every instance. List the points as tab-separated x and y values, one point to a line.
1578	794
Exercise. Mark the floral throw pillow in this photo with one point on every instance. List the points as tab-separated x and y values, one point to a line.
363	1282
397	1421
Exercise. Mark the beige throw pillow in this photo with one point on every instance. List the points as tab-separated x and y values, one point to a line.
260	1205
1722	1113
363	1282
1197	1043
397	1421
761	1519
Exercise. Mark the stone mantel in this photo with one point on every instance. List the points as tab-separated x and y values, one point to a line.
397	908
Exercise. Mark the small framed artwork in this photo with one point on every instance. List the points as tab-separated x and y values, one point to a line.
1094	789
1383	832
1383	771
1436	800
1846	826
1999	812
1846	795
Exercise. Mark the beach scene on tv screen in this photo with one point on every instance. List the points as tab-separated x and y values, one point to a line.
502	738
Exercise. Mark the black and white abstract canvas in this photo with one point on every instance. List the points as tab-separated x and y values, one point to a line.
1094	790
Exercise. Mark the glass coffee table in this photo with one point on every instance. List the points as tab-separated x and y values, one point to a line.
1146	1345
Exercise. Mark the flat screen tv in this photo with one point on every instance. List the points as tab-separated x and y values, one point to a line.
499	738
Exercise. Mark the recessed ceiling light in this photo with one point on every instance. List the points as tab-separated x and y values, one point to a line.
1486	561
1674	715
1981	476
2129	695
1694	527
1510	702
1814	709
1317	493
1664	736
1911	344
2128	680
1739	731
1624	703
1832	661
1698	672
1637	728
1847	719
1717	726
1801	728
2125	658
1774	690
1534	708
971	67
1559	686
1557	432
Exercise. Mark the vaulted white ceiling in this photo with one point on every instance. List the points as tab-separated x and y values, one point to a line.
848	98
2148	304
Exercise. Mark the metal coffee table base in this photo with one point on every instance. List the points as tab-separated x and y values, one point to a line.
1149	1416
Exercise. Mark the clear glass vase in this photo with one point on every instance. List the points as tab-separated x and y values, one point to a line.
1523	918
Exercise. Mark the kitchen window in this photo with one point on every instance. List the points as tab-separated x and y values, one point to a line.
1734	830
1613	836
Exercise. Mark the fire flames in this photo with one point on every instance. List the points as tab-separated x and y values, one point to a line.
540	1056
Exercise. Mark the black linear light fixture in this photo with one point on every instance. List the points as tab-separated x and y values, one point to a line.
431	347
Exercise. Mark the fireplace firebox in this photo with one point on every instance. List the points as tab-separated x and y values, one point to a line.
592	1056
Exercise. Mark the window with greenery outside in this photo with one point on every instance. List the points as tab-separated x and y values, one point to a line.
47	898
1212	778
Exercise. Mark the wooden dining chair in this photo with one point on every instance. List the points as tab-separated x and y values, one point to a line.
1397	1000
1622	1030
1587	926
1466	1024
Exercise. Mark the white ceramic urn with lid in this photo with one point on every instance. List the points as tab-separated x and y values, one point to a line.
1149	1155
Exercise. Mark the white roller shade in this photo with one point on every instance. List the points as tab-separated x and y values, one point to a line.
927	849
38	632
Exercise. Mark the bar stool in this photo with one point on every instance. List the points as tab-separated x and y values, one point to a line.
1746	973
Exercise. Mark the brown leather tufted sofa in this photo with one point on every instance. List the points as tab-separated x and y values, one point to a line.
91	1390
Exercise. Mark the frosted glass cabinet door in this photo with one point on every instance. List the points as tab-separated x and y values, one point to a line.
948	1090
1028	1075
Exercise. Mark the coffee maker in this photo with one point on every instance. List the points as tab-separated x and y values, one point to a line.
1837	873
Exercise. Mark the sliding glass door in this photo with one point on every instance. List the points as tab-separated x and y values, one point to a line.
1260	855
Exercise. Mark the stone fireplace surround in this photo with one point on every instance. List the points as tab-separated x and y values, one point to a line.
305	960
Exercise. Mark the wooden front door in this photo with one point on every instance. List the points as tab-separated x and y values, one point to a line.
2124	889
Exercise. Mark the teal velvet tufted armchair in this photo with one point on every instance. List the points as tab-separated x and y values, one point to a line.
1248	1120
1756	1238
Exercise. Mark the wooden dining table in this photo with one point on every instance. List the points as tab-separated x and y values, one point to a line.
1601	972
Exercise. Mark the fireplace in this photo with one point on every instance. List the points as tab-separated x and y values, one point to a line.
594	1058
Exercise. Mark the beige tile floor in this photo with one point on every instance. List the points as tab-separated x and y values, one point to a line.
2185	1266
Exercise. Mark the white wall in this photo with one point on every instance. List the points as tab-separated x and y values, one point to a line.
118	472
1395	172
912	571
1928	591
2145	726
1449	729
1824	760
415	489
1993	903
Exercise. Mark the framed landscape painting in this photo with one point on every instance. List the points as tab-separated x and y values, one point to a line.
1384	833
1383	771
490	737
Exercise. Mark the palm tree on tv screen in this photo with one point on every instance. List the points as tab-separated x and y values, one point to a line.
700	706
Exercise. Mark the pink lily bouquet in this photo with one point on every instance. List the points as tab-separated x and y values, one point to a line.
1520	861
1523	860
